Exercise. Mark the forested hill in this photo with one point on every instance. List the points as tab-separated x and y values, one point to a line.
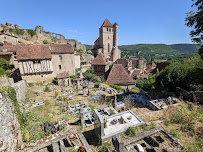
157	51
186	48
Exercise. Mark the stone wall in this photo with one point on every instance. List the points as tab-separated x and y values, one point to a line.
10	133
41	35
5	81
21	89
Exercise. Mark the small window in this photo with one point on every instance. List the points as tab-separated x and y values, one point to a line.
4	37
107	29
59	67
110	30
60	57
42	76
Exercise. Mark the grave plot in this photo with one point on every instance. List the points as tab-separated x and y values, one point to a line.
155	140
164	103
73	140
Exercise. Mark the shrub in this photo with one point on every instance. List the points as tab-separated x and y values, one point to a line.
188	127
130	131
31	32
116	87
143	126
4	64
96	85
73	77
19	31
47	89
2	71
45	42
89	53
104	147
166	122
55	81
177	117
153	125
174	132
135	90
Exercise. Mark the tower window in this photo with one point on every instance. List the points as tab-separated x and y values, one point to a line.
108	47
107	29
60	57
59	67
110	30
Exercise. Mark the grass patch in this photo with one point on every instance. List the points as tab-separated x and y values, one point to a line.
104	147
130	131
174	132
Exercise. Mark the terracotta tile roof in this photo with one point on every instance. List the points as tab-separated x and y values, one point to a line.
31	51
107	23
6	53
11	48
118	75
61	48
62	75
124	62
100	60
136	72
134	58
96	40
161	66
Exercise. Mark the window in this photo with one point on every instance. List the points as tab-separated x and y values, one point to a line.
108	47
4	37
59	67
107	29
60	57
110	30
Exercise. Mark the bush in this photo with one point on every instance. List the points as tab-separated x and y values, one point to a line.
73	77
2	71
116	87
96	85
174	132
143	126
4	64
47	89
55	81
45	42
89	53
153	125
31	32
188	127
19	31
104	147
177	117
130	132
135	90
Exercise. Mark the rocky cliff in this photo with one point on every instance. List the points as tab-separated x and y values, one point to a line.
10	133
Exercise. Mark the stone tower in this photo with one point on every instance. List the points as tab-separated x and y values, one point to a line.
107	43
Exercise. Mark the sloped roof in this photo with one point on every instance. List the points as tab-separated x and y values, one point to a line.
62	75
96	40
124	62
107	23
61	48
118	75
136	72
31	51
100	60
161	66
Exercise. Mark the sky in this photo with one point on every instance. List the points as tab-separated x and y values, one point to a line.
140	21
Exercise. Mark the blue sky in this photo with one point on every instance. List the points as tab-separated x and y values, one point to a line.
140	21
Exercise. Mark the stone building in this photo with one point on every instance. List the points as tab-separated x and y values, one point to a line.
38	62
139	62
107	43
100	65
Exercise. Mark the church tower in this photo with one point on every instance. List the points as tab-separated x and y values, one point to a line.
107	43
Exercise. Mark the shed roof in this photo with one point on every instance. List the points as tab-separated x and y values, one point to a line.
61	48
62	75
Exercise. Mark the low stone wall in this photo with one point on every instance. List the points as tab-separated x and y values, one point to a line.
10	133
21	89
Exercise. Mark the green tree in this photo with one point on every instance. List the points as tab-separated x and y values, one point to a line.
195	19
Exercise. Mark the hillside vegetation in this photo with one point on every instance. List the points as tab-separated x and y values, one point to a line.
157	51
